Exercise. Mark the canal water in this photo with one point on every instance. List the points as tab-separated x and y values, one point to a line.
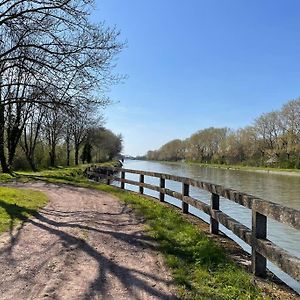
281	189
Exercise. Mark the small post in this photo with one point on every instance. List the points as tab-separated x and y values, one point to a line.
185	192
259	231
162	185
215	205
122	182
141	181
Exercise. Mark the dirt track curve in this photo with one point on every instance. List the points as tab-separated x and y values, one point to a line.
83	245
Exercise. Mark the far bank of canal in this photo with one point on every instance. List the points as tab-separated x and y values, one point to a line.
279	188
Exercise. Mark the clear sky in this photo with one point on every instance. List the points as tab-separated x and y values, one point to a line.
198	63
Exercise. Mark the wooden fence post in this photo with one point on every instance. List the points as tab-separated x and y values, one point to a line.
141	181
259	231
215	205
122	182
185	192
162	185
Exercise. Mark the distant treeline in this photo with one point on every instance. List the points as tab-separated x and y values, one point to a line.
272	140
66	145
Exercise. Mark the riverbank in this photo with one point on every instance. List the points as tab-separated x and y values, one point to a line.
264	170
201	266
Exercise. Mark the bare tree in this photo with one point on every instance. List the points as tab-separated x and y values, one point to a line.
51	55
53	130
31	134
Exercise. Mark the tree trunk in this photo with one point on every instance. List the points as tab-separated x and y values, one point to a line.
15	136
76	155
4	166
32	164
68	150
52	155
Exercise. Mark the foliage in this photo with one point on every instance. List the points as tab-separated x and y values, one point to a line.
101	150
106	145
86	155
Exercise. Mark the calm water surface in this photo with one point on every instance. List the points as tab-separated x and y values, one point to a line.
277	188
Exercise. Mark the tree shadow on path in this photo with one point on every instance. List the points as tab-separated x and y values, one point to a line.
134	281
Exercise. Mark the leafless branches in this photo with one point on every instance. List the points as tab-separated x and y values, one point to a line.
53	57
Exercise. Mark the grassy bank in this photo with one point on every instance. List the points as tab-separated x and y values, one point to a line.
271	170
200	266
70	175
16	205
248	168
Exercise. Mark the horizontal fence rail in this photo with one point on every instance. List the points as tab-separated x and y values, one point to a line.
261	248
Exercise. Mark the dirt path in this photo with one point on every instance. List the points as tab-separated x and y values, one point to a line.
83	245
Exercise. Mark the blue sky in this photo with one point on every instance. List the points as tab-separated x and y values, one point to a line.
198	63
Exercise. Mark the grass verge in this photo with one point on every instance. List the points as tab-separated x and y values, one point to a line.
16	205
69	175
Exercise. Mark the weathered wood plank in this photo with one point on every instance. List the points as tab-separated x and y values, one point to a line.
288	263
240	230
173	194
141	184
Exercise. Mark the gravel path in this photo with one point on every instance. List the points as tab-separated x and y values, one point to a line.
83	245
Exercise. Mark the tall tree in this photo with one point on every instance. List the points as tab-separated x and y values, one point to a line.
53	130
31	134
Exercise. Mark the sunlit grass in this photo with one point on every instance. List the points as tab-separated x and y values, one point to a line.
16	205
5	177
59	175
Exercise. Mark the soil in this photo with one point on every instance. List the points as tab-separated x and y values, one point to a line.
84	244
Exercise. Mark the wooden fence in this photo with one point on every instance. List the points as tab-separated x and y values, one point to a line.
262	248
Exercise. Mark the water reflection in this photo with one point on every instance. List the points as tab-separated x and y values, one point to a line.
277	188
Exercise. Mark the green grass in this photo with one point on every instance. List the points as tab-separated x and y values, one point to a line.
199	265
60	175
71	175
16	205
6	177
